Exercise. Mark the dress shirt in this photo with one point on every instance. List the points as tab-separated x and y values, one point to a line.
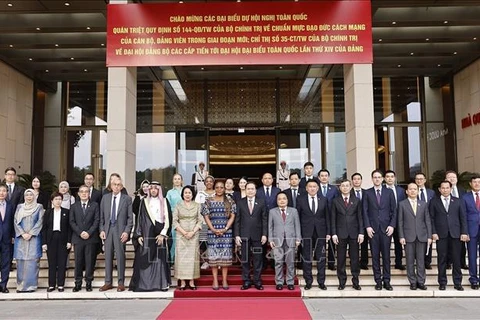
455	191
310	202
117	201
413	203
393	189
56	219
2	209
358	192
446	202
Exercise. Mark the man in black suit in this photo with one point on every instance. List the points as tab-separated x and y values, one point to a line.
315	224
347	230
357	191
268	191
294	191
7	234
425	194
251	230
95	195
330	192
380	219
450	231
457	192
84	221
15	192
308	170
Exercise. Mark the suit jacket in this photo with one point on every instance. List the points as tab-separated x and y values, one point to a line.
270	202
17	196
354	194
346	221
44	199
124	213
88	222
65	229
278	231
472	214
332	192
303	182
413	226
313	221
7	231
379	216
289	194
251	226
430	194
454	221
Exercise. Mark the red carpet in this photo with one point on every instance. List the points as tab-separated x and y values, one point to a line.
236	309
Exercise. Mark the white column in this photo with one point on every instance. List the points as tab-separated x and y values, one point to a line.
122	124
359	120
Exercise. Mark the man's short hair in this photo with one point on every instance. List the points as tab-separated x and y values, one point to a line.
10	169
323	170
89	174
451	171
446	181
377	171
313	181
474	177
2	186
308	163
390	171
357	174
294	174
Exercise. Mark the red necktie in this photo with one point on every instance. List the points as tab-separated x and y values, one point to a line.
346	202
477	201
284	216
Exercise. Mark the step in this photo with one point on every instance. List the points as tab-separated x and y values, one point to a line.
235	280
236	292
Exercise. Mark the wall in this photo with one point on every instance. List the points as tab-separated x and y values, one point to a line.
16	107
467	101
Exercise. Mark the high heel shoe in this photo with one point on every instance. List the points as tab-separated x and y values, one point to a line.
182	288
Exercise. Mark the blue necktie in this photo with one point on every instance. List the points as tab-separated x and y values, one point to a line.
324	191
358	195
422	195
113	217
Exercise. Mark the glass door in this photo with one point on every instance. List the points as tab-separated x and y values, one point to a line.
192	148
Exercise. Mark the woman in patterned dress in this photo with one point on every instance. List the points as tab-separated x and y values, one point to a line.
219	213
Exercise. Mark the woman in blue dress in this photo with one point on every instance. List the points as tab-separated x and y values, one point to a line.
27	252
174	196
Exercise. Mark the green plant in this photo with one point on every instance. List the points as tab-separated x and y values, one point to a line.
47	181
439	176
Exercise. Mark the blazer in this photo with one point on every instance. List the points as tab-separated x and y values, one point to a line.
17	196
354	194
270	202
313	221
251	226
88	222
413	226
472	214
7	231
65	229
332	192
346	221
454	221
44	199
124	214
379	216
289	194
290	230
303	182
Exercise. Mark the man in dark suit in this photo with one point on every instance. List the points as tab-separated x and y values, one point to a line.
330	192
251	230
357	191
425	194
380	219
472	205
415	231
268	191
399	193
449	228
294	191
458	192
309	175
315	224
347	230
95	195
15	192
7	234
84	221
116	222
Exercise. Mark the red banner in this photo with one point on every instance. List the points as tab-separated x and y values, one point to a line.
241	33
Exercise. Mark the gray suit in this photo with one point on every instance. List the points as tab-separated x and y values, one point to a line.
284	235
416	229
113	232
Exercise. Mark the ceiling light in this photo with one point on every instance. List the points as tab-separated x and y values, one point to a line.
455	52
399	65
72	58
411	53
241	68
445	21
56	44
46	71
380	40
103	44
439	65
85	70
88	28
30	59
10	4
67	4
428	39
394	22
202	68
280	67
11	46
38	29
239	0
475	38
180	1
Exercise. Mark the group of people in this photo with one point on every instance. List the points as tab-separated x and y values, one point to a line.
306	222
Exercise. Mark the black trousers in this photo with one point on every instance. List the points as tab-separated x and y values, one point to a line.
449	247
317	245
5	262
380	244
428	257
342	260
252	250
57	258
85	254
398	248
364	250
331	254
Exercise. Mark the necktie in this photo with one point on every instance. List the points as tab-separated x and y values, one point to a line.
284	216
414	207
83	207
9	191
250	205
477	201
324	190
314	210
422	195
268	192
113	217
446	204
2	210
378	196
358	195
346	201
294	199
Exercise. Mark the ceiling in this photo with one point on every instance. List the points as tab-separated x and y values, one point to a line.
51	41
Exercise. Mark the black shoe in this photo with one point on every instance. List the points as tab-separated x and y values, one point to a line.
363	267
400	267
464	267
413	287
258	287
474	286
4	290
357	286
378	286
245	286
421	286
341	287
387	286
332	267
428	266
442	287
459	287
50	289
322	286
89	287
308	286
291	287
77	288
279	287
